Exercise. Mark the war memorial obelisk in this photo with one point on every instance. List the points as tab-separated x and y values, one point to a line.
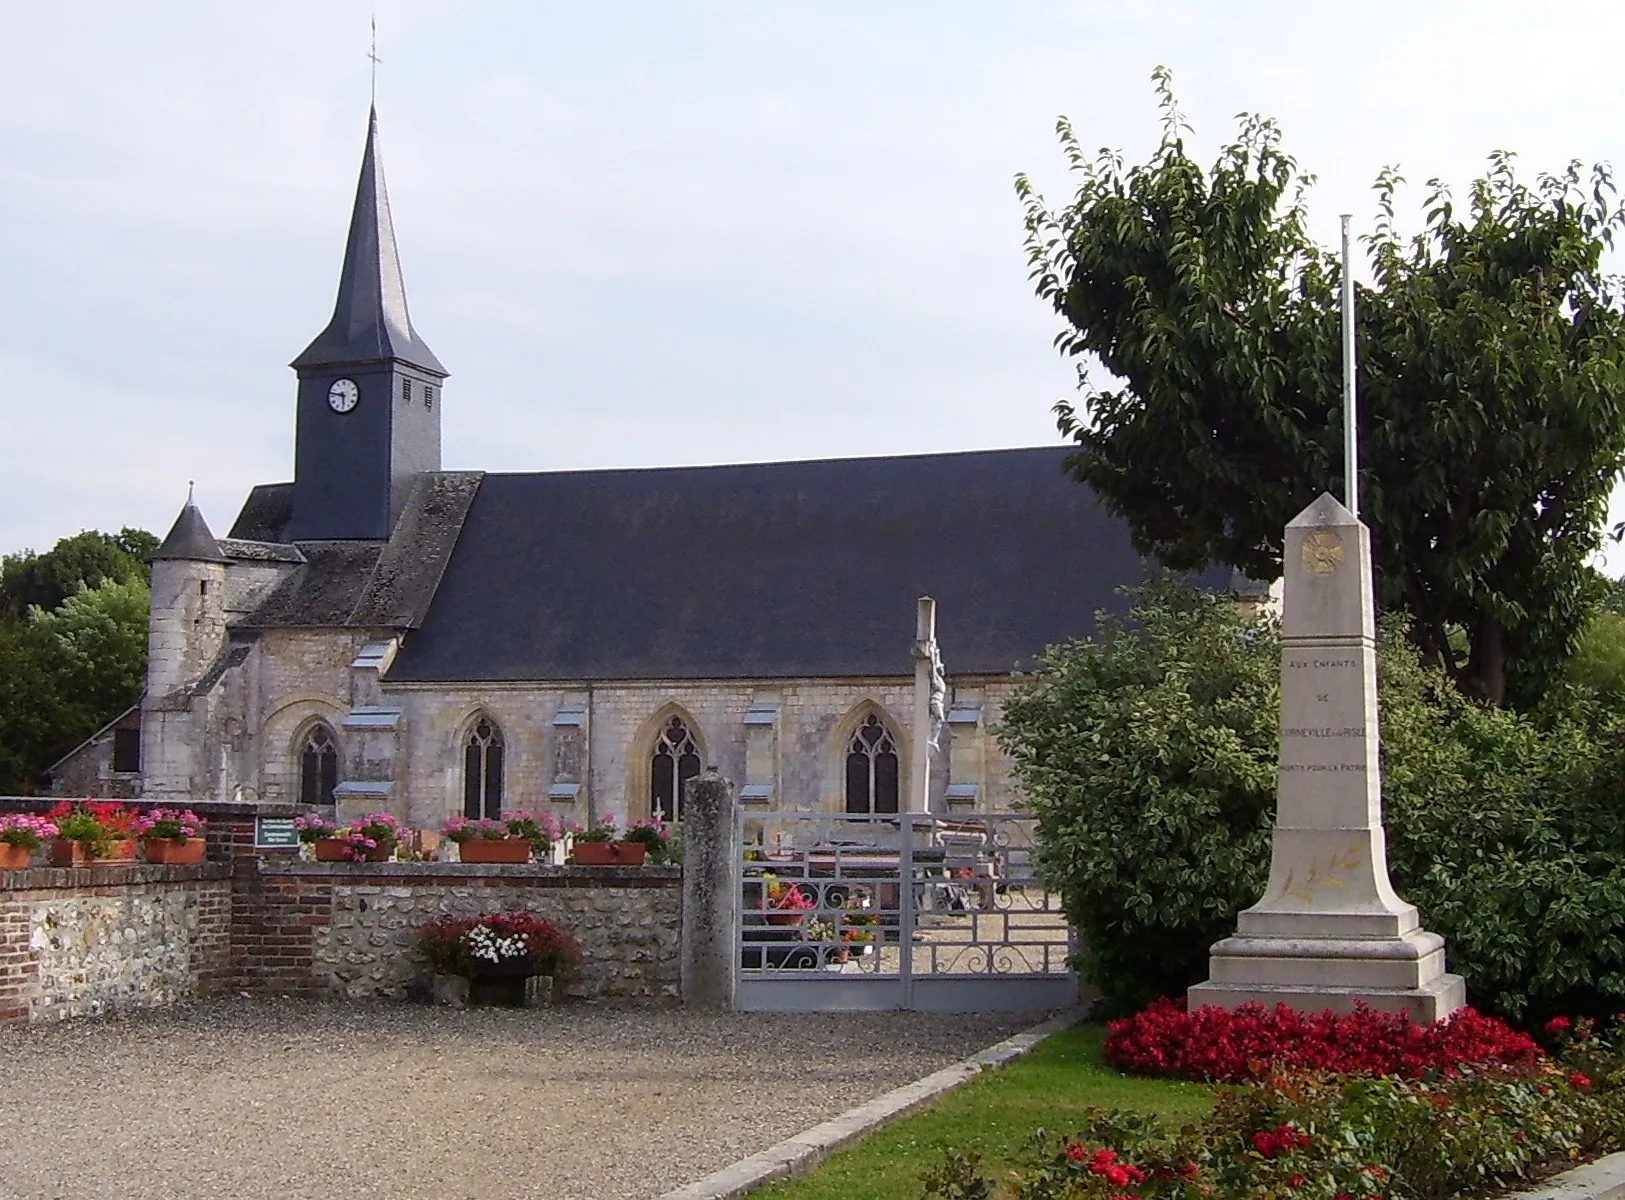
1330	929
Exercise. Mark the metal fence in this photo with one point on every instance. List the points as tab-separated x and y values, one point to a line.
843	912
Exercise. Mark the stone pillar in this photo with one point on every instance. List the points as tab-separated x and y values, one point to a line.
711	884
1330	929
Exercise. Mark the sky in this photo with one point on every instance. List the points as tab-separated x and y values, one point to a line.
644	234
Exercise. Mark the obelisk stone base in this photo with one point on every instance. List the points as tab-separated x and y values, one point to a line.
1314	974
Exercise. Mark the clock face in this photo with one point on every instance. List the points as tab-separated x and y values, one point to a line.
342	396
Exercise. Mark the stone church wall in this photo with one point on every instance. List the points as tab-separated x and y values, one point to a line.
576	750
294	676
582	752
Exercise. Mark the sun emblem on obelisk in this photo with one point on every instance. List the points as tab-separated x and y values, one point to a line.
1322	552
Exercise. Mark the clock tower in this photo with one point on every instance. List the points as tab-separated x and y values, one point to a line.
368	417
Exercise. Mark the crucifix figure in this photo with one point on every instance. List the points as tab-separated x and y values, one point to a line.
930	701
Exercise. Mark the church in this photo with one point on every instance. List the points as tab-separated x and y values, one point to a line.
383	634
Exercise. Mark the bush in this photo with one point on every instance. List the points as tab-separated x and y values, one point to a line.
466	945
1148	756
1238	1047
1149	752
1315	1136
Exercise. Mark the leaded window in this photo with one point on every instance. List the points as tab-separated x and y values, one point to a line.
676	760
318	766
482	771
871	769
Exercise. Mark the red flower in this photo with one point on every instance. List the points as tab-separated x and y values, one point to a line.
1375	1172
1557	1025
1077	1152
1117	1176
1190	1171
1245	1045
1295	1182
1581	1081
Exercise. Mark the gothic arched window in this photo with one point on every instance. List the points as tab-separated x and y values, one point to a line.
318	766
676	760
871	769
482	771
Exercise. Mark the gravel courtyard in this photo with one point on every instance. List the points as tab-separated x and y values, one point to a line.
253	1098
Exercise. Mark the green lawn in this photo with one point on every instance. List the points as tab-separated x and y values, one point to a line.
992	1116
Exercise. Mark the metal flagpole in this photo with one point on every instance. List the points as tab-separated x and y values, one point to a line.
1351	451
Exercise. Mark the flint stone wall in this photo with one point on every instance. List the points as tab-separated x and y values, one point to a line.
627	919
94	941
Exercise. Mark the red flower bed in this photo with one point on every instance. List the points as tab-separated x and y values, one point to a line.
1236	1047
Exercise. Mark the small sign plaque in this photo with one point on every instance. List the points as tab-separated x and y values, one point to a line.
275	831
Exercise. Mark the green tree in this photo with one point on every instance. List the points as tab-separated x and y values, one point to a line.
30	580
100	634
1491	363
33	710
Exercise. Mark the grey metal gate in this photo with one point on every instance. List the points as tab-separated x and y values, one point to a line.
855	912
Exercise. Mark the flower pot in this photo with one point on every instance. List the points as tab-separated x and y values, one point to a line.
450	991
380	852
508	968
14	858
629	854
594	854
176	852
68	853
780	917
538	991
494	850
330	850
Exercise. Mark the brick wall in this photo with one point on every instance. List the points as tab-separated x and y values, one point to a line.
347	930
109	939
261	920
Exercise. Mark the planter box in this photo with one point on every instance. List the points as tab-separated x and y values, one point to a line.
176	852
494	850
65	853
594	854
14	858
609	854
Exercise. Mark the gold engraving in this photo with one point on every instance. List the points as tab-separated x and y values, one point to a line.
1322	552
1336	867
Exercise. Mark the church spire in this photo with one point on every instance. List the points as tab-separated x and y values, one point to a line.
370	321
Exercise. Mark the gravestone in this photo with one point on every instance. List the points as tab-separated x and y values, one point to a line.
1330	929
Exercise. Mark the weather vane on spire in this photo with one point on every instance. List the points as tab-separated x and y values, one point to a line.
373	55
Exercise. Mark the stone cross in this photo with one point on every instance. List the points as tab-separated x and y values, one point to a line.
1330	929
930	701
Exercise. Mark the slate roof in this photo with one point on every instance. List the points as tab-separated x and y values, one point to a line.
368	585
265	514
780	570
189	539
408	571
370	321
323	592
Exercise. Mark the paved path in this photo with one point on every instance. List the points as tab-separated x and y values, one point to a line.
248	1098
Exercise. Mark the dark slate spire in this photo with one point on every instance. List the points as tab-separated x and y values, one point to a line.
370	322
189	539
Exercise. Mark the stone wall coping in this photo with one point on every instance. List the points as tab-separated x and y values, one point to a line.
439	874
58	879
203	808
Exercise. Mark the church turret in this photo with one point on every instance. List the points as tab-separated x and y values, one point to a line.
185	630
369	387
